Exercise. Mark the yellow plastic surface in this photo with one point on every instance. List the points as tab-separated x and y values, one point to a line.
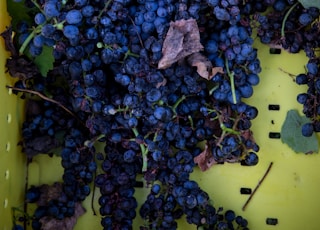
12	162
289	193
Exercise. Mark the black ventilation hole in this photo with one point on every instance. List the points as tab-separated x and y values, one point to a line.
245	191
271	221
274	135
274	51
274	107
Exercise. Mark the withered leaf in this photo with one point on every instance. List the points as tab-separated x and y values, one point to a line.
163	83
204	66
68	223
18	66
21	67
202	63
205	159
182	39
39	145
8	41
216	70
49	192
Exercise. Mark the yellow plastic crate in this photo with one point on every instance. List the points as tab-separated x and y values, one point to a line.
290	192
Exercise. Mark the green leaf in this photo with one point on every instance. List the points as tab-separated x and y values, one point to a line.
45	60
310	3
18	12
291	134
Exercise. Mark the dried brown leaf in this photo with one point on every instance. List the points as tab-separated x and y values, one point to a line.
7	35
204	66
216	70
202	63
68	223
182	39
49	192
163	83
205	159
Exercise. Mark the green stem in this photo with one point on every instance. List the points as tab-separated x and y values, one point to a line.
225	129
29	38
178	102
90	143
286	17
59	25
231	76
104	8
191	121
129	53
38	6
26	42
144	152
213	89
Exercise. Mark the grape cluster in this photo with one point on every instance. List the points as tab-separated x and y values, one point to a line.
79	168
117	202
150	120
290	26
287	25
310	99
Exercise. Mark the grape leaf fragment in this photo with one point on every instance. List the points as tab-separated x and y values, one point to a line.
204	66
18	12
68	223
182	39
291	134
205	159
310	3
45	60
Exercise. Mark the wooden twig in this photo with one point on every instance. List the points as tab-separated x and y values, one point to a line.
46	99
93	194
258	185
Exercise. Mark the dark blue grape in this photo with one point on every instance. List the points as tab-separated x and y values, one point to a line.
71	31
73	16
39	19
312	68
301	79
87	11
307	129
51	9
251	159
302	98
305	19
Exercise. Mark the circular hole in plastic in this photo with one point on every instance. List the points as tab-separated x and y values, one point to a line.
9	118
5	203
7	174
8	146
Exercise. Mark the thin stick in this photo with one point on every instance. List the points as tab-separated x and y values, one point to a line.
26	185
258	185
45	98
93	195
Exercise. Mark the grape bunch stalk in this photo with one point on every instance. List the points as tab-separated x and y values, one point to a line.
105	88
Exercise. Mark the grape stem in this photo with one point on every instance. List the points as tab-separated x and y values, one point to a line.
174	107
144	152
225	129
29	38
104	8
231	76
93	194
129	53
285	19
38	6
90	143
46	99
